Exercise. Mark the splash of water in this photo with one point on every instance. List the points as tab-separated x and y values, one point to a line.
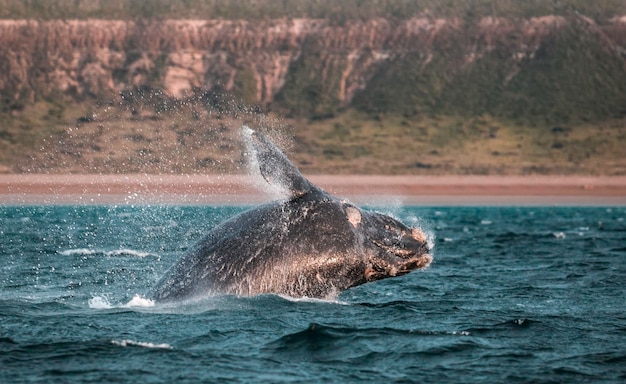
102	302
139	301
274	190
427	229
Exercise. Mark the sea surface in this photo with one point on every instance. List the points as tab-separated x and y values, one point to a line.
515	294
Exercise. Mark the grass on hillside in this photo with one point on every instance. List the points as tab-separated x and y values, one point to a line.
24	131
352	143
46	137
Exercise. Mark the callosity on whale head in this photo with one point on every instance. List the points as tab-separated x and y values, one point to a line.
308	244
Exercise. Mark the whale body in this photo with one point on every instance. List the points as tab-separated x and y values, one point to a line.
309	244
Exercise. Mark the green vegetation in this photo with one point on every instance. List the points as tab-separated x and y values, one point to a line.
339	11
309	90
245	86
352	142
572	77
23	133
152	134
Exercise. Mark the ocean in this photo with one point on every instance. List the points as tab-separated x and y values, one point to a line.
514	294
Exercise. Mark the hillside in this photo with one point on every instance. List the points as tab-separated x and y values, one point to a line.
200	135
431	93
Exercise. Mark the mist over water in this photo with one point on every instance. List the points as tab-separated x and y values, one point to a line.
514	294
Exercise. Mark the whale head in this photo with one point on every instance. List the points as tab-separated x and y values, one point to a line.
394	249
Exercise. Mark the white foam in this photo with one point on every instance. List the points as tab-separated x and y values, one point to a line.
127	252
306	299
133	343
99	302
139	301
102	302
78	251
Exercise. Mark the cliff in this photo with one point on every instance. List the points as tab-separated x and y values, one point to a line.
422	95
313	68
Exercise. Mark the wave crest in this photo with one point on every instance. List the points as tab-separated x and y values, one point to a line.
133	343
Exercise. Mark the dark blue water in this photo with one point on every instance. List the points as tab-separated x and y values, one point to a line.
535	294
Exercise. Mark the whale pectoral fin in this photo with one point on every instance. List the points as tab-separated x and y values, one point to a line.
275	167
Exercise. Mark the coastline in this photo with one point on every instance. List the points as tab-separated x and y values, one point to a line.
69	189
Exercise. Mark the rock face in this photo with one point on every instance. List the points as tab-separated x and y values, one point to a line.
308	65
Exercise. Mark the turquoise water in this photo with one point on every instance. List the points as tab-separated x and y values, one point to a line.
534	294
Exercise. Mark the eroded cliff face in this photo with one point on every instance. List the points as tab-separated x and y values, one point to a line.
98	57
447	82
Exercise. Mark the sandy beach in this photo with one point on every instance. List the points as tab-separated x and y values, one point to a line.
362	189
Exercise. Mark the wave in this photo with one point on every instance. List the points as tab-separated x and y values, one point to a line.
368	345
319	333
143	344
305	299
117	252
506	326
7	341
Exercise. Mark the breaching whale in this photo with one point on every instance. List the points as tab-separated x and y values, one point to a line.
310	244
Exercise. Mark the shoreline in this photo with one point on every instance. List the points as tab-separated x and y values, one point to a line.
81	189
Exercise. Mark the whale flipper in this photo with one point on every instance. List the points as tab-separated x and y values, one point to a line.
276	168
